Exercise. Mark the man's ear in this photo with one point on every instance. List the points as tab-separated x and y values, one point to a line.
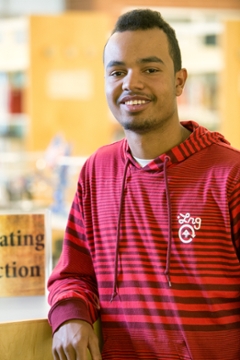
180	80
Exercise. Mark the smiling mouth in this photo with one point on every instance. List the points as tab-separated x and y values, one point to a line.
135	102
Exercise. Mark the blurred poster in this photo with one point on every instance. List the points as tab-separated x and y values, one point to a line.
24	254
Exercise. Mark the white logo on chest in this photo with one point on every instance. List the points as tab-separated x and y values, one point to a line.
189	225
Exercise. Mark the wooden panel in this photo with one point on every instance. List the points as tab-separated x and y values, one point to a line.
66	81
79	4
230	84
28	340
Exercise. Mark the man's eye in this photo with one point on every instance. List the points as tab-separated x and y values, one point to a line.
151	70
116	73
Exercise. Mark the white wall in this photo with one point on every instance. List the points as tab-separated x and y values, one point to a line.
26	7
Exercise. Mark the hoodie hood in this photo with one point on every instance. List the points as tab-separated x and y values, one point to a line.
199	139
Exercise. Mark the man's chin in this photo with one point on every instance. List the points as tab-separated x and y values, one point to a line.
138	127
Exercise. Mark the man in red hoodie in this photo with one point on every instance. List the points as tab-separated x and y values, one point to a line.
152	243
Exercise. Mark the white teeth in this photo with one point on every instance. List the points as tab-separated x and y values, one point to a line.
135	102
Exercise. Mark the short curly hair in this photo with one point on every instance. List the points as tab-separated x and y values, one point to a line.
144	19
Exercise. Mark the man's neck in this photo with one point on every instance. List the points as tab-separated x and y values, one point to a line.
152	144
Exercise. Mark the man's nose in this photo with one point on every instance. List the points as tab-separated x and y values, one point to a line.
132	81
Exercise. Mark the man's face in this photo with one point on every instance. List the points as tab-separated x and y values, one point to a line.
140	82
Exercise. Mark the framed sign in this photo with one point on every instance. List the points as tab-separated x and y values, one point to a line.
25	253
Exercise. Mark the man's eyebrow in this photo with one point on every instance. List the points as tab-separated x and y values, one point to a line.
146	60
115	63
151	59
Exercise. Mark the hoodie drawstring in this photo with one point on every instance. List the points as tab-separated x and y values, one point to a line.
114	293
167	269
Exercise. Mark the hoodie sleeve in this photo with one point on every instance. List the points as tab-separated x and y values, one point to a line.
72	285
234	206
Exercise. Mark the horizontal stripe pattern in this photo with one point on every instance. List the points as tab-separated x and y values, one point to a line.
203	178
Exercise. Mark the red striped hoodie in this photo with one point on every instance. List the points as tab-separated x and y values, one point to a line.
155	251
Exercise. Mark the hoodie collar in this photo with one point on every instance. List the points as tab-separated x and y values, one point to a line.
199	139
